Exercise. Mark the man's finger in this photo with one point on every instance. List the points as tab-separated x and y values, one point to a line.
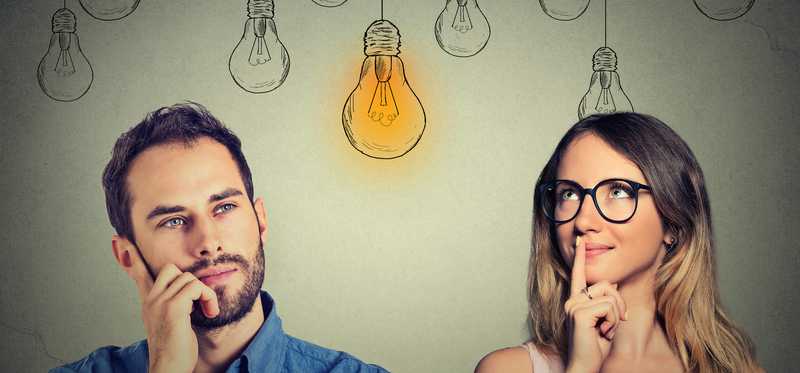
578	280
198	291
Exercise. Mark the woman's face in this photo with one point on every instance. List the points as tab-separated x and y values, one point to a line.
617	253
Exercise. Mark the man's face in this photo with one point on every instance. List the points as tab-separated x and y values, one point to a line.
189	208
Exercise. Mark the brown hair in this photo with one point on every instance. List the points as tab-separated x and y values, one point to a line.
687	300
184	123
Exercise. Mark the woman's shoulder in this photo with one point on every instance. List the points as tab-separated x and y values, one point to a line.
510	359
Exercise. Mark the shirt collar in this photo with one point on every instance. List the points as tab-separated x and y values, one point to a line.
266	351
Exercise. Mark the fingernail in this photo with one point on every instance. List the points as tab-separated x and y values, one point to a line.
577	241
626	315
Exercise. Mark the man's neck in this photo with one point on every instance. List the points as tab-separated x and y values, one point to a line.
217	349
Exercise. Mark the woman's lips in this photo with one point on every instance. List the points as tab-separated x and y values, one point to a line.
596	249
217	277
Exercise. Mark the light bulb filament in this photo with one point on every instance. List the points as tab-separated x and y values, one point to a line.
259	53
462	22
383	107
64	65
605	103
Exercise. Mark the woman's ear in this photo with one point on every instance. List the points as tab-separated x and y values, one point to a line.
670	241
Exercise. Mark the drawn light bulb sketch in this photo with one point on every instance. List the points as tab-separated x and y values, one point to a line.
564	10
64	73
329	3
109	10
383	118
605	94
724	10
260	62
462	29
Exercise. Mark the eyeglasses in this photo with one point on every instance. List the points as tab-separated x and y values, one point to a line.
615	199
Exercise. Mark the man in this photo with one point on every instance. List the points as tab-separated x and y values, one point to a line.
180	196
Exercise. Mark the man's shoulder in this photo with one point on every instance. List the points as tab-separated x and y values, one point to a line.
132	358
306	356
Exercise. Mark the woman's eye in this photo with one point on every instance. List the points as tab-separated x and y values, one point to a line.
568	195
224	208
174	222
620	192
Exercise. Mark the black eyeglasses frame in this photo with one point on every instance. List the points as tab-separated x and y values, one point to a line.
583	192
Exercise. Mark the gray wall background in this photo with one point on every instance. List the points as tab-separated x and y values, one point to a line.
418	263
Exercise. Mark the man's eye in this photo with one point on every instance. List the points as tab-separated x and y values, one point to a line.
224	208
174	222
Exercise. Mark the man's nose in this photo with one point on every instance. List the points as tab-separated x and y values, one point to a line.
206	240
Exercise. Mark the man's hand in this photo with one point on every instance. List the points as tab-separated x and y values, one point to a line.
166	306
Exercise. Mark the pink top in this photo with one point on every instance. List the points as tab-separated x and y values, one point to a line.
543	363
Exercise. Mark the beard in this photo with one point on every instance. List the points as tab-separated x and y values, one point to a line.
232	307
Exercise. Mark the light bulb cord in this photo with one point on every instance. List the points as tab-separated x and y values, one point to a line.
604	59
64	21
382	38
260	8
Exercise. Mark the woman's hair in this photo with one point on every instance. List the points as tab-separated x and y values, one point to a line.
687	302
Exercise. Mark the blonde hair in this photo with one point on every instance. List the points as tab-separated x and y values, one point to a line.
687	302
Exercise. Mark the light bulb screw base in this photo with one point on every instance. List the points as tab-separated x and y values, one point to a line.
64	21
260	8
462	2
382	38
604	59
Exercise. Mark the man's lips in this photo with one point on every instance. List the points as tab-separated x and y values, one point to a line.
215	275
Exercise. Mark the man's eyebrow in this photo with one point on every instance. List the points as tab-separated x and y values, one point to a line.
230	192
163	210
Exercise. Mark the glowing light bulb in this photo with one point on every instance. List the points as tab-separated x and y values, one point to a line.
564	10
260	62
383	118
462	29
109	10
329	3
724	10
64	73
605	93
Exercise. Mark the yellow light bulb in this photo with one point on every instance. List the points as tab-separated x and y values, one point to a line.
383	117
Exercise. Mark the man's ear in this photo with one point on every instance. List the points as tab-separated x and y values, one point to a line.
121	248
261	215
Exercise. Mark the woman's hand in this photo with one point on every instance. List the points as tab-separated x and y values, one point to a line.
593	315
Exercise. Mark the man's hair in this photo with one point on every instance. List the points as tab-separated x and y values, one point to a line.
181	123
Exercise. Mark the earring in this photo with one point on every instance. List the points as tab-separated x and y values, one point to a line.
671	246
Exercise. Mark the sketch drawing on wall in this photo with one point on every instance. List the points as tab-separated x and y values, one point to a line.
605	94
383	118
462	29
260	62
109	10
329	3
564	10
64	73
724	10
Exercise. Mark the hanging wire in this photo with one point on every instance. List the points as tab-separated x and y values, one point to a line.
381	9
605	23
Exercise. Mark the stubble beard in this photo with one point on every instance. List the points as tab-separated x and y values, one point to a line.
233	307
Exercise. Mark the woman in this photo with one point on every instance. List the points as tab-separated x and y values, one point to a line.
621	274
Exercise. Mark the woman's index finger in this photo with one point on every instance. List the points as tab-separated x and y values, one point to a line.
578	280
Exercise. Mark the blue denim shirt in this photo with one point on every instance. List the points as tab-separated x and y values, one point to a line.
270	351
